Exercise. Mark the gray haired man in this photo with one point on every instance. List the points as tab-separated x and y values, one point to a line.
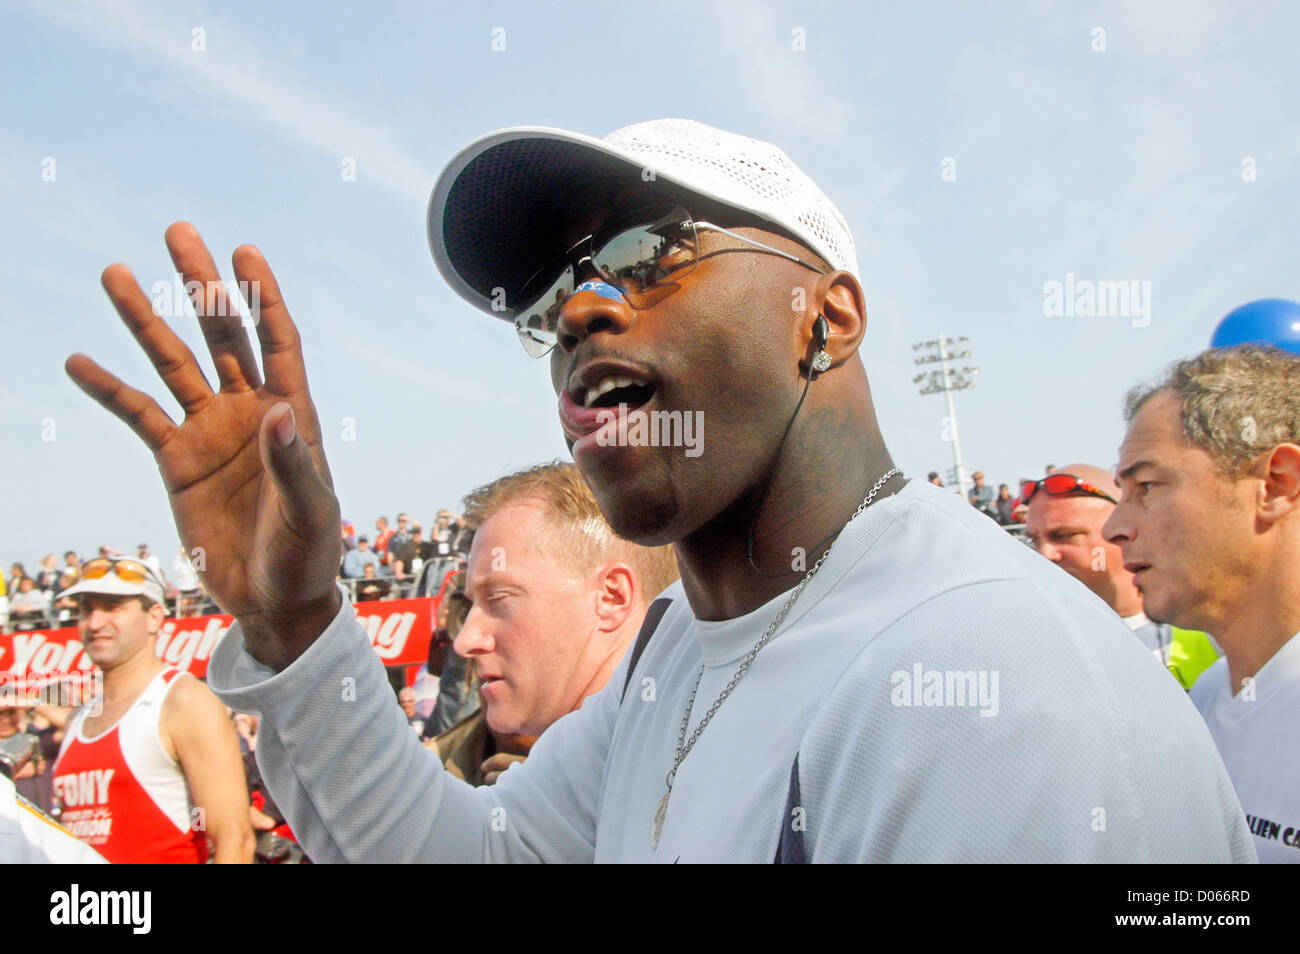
1209	523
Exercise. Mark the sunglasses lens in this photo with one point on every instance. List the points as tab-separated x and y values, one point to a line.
1060	483
1027	490
131	572
536	324
127	570
639	259
632	259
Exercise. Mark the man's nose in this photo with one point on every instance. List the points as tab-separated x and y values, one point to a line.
1117	529
1049	551
473	638
597	307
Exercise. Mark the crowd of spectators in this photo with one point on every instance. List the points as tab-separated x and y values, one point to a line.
30	602
390	566
393	562
1005	506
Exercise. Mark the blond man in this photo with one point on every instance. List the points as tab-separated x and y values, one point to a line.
557	599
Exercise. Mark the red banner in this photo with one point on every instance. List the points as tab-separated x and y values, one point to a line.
399	631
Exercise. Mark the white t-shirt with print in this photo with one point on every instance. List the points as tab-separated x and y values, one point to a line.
1258	735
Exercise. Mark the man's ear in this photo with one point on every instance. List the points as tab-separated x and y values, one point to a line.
617	595
838	299
1281	490
156	614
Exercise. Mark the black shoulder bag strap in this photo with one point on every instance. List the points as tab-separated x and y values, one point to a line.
653	614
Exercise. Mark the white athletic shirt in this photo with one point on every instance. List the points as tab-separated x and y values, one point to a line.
1258	735
1089	751
1149	633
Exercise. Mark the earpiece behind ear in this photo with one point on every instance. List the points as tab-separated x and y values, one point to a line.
821	333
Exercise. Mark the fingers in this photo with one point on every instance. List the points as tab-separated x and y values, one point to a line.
493	766
171	356
286	374
223	329
281	345
289	461
139	411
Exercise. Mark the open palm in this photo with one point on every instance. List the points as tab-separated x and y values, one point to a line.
245	475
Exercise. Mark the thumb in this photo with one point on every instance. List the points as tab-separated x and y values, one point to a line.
288	460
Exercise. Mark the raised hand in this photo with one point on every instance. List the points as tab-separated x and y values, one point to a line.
245	471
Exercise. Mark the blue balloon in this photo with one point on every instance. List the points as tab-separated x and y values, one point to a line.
1273	321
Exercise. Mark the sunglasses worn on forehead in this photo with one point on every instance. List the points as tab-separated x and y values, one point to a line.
128	571
1060	485
635	260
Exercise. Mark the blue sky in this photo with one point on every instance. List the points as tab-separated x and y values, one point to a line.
1122	164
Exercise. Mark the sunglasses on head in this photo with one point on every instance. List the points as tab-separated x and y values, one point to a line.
128	571
636	259
1060	485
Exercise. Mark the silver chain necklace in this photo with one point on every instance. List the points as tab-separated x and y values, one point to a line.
684	746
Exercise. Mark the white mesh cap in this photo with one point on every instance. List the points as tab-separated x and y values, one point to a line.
507	203
745	173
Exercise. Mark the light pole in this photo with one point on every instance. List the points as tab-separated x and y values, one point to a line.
947	380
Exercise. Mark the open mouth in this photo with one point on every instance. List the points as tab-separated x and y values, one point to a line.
611	391
598	394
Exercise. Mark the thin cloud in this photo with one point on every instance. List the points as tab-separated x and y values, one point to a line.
233	71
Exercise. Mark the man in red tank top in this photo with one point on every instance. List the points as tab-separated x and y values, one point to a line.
150	771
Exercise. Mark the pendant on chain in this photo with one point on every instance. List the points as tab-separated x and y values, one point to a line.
660	814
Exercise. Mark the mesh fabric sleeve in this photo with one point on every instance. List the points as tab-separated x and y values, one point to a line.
1083	751
355	784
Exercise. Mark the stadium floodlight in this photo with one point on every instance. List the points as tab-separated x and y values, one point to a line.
946	379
